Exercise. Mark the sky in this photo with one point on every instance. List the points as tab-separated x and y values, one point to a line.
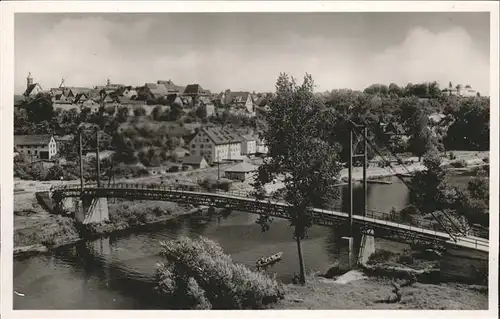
248	51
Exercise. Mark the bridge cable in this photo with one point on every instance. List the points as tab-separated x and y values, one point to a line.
409	173
410	188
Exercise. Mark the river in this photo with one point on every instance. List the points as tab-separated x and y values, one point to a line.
117	272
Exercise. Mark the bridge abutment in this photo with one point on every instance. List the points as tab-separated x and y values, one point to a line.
91	210
346	253
366	247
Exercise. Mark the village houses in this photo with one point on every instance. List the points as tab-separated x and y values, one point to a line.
216	144
36	147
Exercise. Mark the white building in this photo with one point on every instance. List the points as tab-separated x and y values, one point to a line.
241	171
468	91
249	145
216	144
36	147
261	147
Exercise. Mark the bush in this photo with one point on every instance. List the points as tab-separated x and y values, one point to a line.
486	159
198	275
459	164
54	173
380	256
452	156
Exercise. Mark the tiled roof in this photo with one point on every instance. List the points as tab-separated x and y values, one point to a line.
77	90
30	88
237	97
171	87
249	137
32	139
195	89
156	89
192	160
219	135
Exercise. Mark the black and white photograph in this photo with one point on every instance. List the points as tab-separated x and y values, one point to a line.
238	159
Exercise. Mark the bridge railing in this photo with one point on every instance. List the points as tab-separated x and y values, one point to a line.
373	217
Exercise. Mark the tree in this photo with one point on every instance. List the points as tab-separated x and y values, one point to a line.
395	90
40	108
201	112
140	111
175	112
427	186
474	113
122	114
308	164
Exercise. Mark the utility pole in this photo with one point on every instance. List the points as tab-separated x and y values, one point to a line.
81	161
98	159
218	166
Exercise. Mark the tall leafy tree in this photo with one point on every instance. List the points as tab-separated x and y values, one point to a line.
427	186
307	163
39	108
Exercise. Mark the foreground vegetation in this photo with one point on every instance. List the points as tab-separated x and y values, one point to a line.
198	275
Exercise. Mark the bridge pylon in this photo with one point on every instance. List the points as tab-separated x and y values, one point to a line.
347	258
92	210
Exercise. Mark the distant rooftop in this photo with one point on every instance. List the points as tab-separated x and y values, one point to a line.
220	135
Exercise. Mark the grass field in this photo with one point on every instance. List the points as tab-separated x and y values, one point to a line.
371	293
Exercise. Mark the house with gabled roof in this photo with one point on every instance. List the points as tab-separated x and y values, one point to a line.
195	90
240	99
36	147
71	92
151	91
195	161
171	87
241	171
216	144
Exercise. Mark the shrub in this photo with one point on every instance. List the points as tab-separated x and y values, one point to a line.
459	164
452	156
198	275
380	256
384	163
54	173
486	159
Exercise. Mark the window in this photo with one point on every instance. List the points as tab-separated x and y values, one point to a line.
193	146
201	145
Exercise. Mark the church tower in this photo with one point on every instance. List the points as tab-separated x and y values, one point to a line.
29	80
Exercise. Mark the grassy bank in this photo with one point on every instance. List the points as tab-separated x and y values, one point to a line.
372	293
126	215
37	231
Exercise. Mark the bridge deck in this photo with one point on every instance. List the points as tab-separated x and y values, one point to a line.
245	202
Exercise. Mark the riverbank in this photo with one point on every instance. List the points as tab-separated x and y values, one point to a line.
37	231
373	292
